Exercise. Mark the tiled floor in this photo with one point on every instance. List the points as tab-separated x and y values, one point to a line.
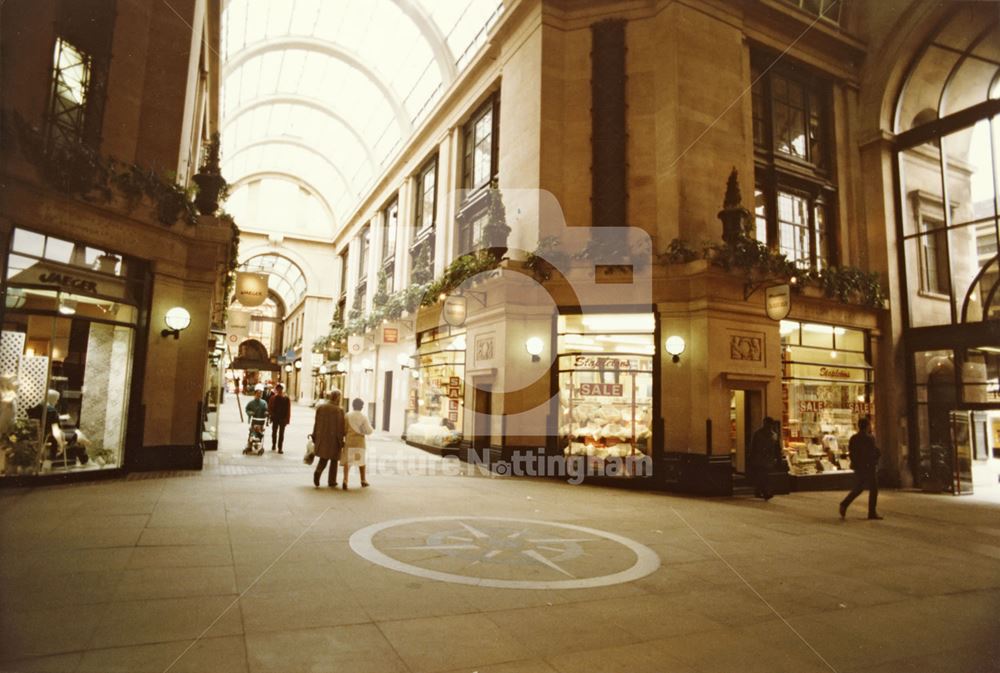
246	567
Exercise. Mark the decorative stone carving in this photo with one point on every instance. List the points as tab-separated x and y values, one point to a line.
749	348
485	348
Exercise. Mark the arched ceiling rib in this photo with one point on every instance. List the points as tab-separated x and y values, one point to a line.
302	101
298	144
323	93
333	51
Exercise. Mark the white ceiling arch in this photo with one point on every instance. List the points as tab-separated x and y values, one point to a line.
324	230
306	102
345	82
331	50
298	144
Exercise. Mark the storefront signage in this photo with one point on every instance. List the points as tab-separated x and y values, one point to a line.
813	405
833	373
601	389
251	288
390	335
455	310
863	408
778	301
594	362
77	282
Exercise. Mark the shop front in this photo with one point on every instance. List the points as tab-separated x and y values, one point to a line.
827	386
435	403
66	355
605	390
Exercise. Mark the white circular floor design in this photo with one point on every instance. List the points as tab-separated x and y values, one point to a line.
542	546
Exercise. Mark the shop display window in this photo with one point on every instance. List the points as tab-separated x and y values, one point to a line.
65	356
436	404
827	386
606	388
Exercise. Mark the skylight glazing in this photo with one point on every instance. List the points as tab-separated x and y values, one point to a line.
329	91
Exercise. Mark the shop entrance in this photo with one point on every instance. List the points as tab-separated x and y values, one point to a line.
746	411
387	400
483	407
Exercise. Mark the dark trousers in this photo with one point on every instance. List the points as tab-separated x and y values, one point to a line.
322	466
864	479
761	482
278	435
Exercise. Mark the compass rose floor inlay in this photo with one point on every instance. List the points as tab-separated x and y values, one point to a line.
504	553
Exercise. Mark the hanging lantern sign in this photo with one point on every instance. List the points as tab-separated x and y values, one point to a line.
355	345
251	288
238	323
778	301
455	310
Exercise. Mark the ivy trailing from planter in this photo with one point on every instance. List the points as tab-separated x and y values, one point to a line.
757	261
79	170
546	258
393	306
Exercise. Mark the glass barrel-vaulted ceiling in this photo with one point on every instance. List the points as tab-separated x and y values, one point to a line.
321	94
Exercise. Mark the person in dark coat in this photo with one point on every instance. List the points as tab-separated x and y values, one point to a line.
864	461
762	455
279	408
328	433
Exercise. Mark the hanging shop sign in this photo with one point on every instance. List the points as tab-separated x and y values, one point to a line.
390	335
251	288
778	301
455	310
76	281
238	323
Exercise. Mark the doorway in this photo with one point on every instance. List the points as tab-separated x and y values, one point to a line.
483	405
746	411
387	400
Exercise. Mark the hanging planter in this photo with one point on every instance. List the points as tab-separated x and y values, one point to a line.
211	184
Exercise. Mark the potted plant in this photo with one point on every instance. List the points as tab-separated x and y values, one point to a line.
21	447
211	184
495	231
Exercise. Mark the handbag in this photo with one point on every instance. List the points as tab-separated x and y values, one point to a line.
310	451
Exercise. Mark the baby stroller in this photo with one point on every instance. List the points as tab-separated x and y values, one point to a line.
255	437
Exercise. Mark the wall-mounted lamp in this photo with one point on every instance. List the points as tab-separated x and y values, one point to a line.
675	346
323	370
67	306
176	319
288	369
298	365
367	364
14	298
404	360
342	367
534	346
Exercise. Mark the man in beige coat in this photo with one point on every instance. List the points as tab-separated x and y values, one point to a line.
328	437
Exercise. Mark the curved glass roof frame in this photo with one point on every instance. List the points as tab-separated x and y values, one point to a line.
286	278
280	202
958	69
348	79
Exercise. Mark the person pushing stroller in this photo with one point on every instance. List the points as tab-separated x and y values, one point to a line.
257	417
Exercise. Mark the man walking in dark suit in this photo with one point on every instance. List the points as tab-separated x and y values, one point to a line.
864	461
762	456
279	408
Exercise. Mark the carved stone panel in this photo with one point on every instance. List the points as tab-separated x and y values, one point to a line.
746	347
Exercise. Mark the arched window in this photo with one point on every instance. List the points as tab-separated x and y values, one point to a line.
948	144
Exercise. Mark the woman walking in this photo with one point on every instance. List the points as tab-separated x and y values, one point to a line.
354	445
328	437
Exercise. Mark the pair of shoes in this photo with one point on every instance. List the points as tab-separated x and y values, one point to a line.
280	451
875	517
365	484
333	485
272	448
345	485
316	479
843	510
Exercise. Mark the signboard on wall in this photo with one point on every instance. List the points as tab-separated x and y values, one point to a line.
390	335
778	301
251	288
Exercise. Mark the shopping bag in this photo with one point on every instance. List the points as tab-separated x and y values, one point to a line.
310	451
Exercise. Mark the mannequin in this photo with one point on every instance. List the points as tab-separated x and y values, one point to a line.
63	439
8	402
